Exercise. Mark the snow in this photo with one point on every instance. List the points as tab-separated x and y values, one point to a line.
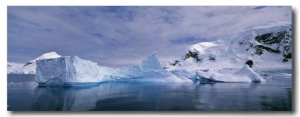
228	63
47	56
29	67
75	71
285	74
201	47
224	60
233	52
245	74
19	68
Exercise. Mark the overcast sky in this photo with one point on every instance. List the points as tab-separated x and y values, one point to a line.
122	36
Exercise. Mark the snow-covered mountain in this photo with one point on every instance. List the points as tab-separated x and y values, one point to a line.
267	48
29	67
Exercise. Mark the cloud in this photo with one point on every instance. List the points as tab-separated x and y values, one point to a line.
259	7
120	36
187	40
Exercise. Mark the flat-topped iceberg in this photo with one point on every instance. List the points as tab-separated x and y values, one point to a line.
71	70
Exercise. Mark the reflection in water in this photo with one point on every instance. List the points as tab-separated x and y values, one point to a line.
276	94
110	95
163	96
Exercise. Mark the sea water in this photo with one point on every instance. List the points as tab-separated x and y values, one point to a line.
275	95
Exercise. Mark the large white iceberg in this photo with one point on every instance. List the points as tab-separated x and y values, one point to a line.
71	70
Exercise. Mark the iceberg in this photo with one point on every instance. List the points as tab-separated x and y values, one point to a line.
71	70
29	67
245	74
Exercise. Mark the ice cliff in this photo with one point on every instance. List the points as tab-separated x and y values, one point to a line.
71	70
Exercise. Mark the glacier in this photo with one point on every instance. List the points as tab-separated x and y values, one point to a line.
267	48
71	70
223	60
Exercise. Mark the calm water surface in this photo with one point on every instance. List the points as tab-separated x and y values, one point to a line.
276	94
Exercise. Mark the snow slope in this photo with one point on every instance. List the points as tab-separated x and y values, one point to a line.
29	67
46	56
265	49
73	71
224	60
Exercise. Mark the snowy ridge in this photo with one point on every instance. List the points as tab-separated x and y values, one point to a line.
29	67
264	49
75	71
224	60
47	56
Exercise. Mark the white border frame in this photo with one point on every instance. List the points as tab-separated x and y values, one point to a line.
3	51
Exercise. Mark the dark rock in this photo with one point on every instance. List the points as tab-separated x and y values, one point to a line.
250	63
